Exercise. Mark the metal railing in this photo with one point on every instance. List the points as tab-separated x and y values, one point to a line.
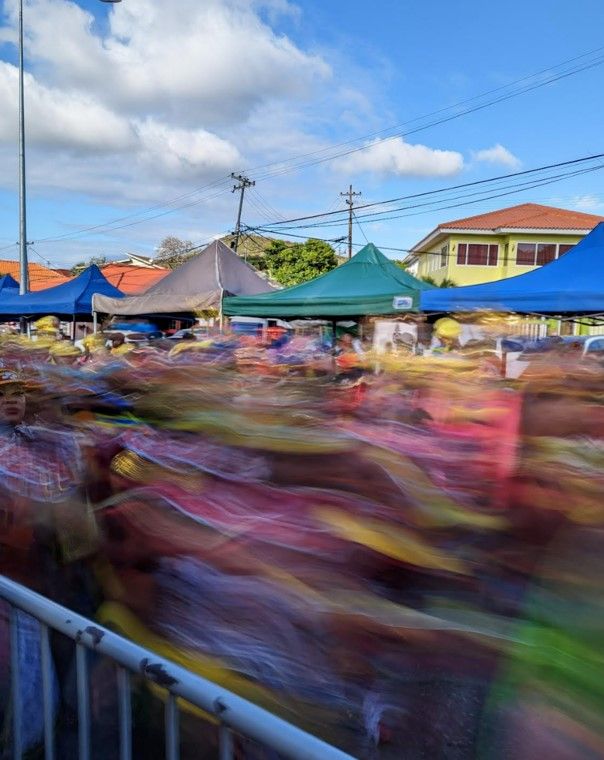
234	714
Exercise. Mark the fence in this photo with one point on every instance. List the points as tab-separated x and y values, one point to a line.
233	714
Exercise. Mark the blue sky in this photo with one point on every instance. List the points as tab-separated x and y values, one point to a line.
136	116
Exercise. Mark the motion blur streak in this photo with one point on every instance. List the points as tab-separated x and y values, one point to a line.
400	553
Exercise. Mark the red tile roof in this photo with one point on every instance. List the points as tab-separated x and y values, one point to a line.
527	216
132	279
40	277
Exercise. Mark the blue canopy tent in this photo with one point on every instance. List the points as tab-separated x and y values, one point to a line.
71	299
572	284
8	284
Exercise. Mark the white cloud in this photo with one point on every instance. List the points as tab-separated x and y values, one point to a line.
214	60
497	155
398	158
588	202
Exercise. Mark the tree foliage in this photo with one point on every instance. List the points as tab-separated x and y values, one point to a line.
81	265
445	283
292	263
172	251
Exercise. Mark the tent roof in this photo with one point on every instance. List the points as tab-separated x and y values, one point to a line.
568	284
369	283
8	282
72	297
196	285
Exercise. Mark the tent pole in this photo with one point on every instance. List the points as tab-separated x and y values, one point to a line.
333	347
221	314
73	326
95	323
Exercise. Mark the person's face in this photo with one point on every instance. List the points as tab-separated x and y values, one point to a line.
12	405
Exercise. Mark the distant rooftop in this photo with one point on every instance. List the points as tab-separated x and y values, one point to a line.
40	277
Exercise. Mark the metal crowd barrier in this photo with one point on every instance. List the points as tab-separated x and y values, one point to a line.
234	714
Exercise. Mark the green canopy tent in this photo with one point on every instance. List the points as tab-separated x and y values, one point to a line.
368	284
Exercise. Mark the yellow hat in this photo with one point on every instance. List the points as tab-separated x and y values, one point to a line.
447	328
47	324
94	341
64	348
125	348
190	345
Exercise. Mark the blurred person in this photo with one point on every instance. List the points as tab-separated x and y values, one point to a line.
445	336
119	346
64	353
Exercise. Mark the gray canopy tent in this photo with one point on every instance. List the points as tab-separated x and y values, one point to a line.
197	285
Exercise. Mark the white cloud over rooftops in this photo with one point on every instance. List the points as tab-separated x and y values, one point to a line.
395	157
497	155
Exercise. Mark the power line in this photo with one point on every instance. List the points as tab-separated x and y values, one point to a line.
360	227
436	112
382	215
115	225
439	191
481	106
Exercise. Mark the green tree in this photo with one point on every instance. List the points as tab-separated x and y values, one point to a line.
293	263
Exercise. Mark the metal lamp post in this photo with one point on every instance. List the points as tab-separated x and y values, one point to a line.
23	264
23	271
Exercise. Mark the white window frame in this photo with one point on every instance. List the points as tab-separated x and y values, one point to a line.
473	242
537	244
444	256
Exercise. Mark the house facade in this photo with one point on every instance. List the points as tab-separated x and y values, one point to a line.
498	244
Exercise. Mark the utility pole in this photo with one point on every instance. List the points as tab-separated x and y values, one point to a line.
349	195
243	183
23	268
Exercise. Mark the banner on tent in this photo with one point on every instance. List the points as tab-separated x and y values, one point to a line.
402	303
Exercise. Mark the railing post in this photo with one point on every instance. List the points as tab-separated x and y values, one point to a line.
15	678
125	713
83	702
226	745
172	729
47	687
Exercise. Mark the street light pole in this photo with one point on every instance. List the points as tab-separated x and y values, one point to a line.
23	268
23	264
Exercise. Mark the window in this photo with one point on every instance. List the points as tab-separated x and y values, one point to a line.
477	254
444	254
537	254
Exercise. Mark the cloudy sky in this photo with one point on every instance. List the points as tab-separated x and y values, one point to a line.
137	112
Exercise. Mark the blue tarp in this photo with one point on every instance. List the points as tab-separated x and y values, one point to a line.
70	298
570	284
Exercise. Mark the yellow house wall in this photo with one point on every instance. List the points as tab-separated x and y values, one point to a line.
472	275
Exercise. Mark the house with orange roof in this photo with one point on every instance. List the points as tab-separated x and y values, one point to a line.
133	279
40	277
498	244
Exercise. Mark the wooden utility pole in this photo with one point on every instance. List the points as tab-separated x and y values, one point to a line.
349	195
243	183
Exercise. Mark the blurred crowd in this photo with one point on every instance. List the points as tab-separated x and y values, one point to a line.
401	554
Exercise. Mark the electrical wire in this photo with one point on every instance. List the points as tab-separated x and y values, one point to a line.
360	227
438	111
